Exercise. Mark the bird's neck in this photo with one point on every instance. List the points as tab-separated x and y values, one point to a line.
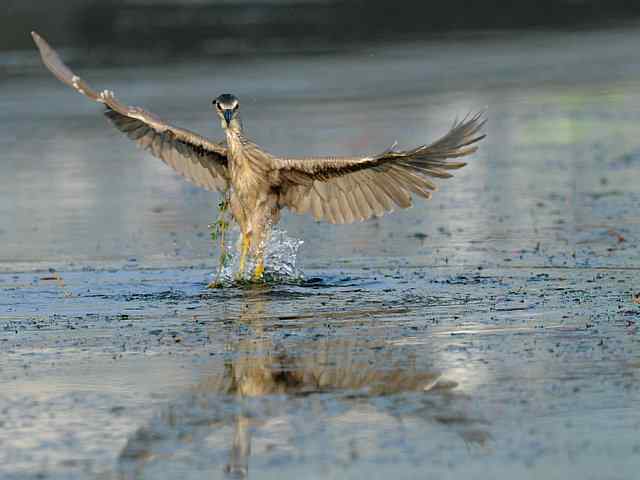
234	126
235	138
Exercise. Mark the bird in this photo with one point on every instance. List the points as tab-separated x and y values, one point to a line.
338	190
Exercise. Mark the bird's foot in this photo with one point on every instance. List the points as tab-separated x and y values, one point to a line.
258	273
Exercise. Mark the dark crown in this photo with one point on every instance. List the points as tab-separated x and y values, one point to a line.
226	99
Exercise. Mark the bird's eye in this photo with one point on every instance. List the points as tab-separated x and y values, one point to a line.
236	107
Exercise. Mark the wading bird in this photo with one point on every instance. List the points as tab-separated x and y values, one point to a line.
334	189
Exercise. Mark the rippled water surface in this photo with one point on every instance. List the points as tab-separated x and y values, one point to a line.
488	333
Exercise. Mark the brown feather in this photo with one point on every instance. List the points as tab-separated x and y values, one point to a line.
372	185
148	130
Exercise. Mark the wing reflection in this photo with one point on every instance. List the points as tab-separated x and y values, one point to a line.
284	400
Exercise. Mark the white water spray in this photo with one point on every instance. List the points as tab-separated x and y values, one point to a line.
281	254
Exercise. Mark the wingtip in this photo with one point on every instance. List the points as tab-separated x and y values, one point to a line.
483	113
478	120
39	41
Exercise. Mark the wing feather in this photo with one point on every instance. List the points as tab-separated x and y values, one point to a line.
370	196
345	209
383	182
360	203
351	205
328	212
198	159
346	189
380	194
401	196
316	207
334	204
303	202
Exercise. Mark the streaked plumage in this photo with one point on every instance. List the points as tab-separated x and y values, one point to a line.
334	189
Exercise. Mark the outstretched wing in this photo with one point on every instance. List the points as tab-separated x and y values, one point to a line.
201	161
348	189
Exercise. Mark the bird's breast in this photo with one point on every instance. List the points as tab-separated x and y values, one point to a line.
249	172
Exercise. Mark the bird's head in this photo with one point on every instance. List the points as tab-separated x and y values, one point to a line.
227	107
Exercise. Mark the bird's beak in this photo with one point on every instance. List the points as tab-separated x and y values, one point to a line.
228	115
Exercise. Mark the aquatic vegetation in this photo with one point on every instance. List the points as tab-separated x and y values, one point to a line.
218	232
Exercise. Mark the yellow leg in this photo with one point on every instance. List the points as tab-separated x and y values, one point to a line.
259	271
246	243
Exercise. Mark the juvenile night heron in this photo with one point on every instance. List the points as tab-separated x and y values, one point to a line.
334	189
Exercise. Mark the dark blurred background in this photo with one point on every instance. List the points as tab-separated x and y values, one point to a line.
191	27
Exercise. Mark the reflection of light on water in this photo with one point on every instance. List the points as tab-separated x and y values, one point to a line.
281	254
466	378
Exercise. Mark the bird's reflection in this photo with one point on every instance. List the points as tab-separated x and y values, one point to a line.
274	383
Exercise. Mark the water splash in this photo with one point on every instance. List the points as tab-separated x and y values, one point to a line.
281	254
